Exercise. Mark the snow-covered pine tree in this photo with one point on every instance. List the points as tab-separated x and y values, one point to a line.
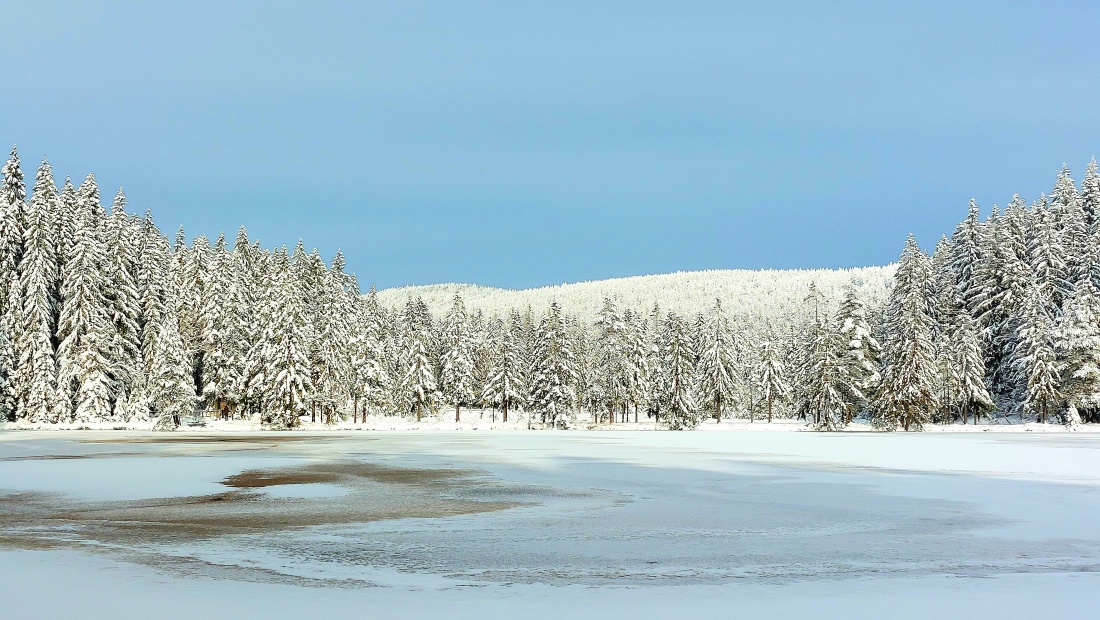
13	195
170	387
1070	223
969	392
1036	358
288	381
370	377
1077	343
637	356
678	363
244	327
1090	195
7	360
220	340
831	388
607	389
84	327
154	281
36	395
505	387
1004	376
966	244
908	395
773	377
122	298
715	368
1047	256
341	291
457	372
421	391
554	381
862	350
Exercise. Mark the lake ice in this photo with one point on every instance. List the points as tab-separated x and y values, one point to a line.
405	524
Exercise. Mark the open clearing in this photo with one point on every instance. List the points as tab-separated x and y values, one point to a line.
411	523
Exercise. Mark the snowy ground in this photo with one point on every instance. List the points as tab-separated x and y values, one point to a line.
588	523
488	420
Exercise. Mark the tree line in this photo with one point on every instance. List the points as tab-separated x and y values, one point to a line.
107	320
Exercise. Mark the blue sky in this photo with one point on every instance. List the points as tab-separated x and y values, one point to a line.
526	143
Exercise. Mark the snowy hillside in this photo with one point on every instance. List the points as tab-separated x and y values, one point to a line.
760	293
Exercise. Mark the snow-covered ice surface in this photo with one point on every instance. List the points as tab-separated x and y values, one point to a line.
587	523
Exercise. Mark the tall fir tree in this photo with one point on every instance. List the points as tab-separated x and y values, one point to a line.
716	366
678	362
36	395
908	395
554	381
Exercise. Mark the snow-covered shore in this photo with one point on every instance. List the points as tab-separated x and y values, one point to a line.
479	420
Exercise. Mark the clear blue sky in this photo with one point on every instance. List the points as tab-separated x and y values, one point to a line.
525	143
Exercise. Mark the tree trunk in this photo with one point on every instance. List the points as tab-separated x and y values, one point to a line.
769	408
635	413
417	412
458	407
504	410
718	409
313	412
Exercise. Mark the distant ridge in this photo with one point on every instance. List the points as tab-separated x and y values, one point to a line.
757	294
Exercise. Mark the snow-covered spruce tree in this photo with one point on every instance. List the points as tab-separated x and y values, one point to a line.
1077	343
7	359
969	393
773	377
715	368
122	298
966	244
310	272
554	380
421	391
1047	257
1004	377
1036	358
505	387
282	383
245	327
831	389
13	196
862	349
907	394
608	376
338	335
457	372
1070	223
370	377
170	387
36	395
1090	195
84	327
678	364
637	358
220	338
811	322
194	285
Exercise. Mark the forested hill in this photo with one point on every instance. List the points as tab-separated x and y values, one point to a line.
765	293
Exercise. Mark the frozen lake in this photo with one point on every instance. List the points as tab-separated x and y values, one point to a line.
482	524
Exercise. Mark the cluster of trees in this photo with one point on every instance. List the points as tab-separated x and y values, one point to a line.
1004	316
104	319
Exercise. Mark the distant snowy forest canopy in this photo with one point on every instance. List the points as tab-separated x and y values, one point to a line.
105	320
